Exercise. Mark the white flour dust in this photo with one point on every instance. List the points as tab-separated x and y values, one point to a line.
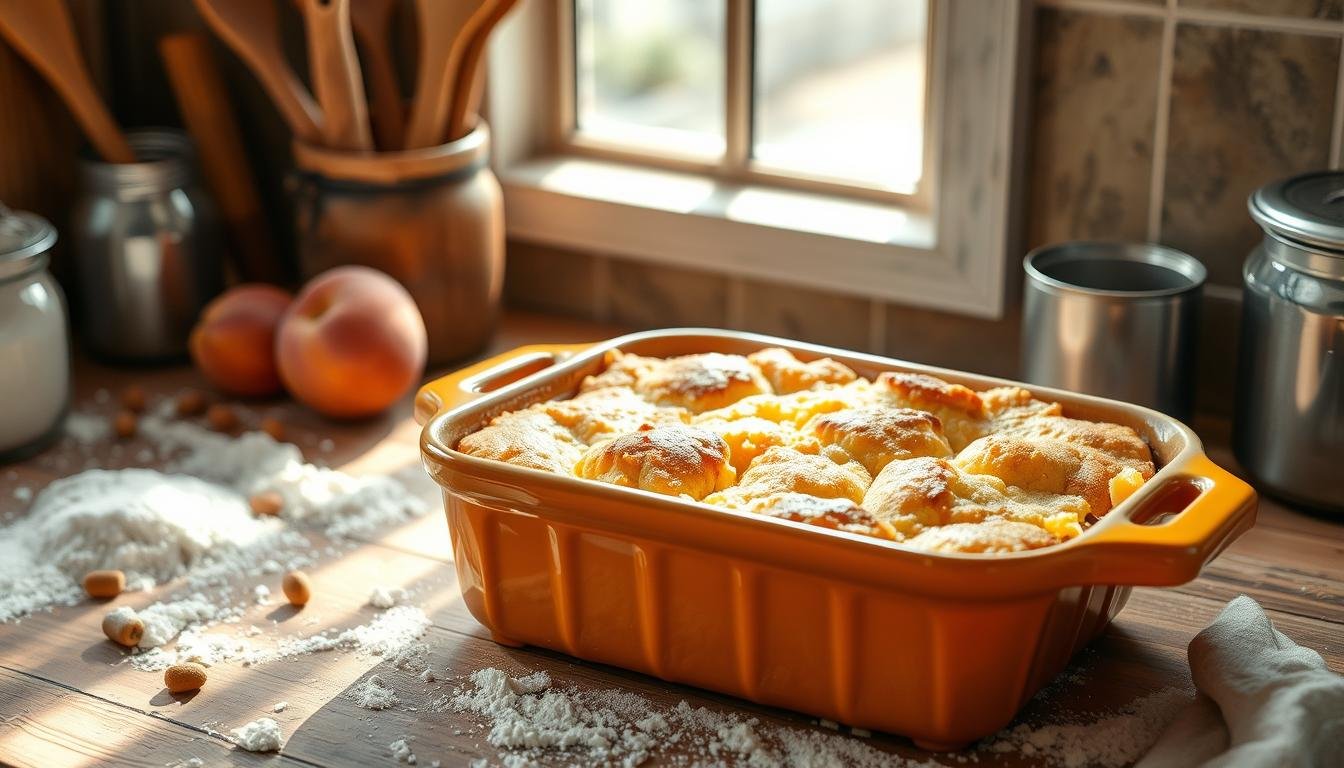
260	735
374	694
191	521
529	719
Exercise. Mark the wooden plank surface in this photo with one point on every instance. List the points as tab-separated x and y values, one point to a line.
67	697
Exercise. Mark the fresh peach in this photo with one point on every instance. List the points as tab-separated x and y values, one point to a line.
352	343
233	344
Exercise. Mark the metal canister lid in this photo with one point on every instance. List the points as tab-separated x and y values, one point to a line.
25	239
1307	209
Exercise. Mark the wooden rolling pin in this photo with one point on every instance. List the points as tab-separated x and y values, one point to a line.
204	104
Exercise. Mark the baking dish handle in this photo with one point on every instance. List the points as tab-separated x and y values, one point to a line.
488	376
1167	539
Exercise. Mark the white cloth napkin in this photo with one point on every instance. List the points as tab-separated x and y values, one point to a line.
1263	700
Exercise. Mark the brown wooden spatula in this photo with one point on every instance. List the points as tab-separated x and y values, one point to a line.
335	72
251	29
446	29
372	20
41	31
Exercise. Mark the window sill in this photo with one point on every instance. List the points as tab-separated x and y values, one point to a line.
820	241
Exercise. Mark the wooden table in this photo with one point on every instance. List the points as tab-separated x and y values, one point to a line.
66	701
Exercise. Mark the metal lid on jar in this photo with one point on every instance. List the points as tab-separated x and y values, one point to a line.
1307	209
25	239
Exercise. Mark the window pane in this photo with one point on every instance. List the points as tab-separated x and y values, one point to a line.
839	89
650	74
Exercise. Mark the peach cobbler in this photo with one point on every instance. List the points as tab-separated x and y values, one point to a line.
906	457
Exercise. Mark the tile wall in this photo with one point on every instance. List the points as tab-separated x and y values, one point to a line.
1149	120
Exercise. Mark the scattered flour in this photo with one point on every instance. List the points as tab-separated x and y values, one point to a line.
191	521
387	635
1117	740
261	735
373	694
529	719
86	429
163	621
412	658
401	751
386	597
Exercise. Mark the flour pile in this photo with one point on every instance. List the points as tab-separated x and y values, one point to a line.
193	521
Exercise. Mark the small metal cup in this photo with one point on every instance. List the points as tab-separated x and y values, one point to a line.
1116	320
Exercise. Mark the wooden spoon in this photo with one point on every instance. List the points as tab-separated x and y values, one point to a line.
204	104
41	31
372	20
252	30
446	29
467	90
335	73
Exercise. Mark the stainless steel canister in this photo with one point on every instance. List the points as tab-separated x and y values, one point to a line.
1113	319
1288	430
147	249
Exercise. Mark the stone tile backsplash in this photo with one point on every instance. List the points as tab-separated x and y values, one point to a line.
1149	120
1247	107
1091	142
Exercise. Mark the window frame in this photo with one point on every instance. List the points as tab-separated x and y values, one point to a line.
737	164
948	251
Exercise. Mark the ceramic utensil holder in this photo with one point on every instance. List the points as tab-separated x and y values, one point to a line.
431	218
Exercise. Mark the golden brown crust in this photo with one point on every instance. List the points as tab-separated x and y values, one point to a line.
1046	466
702	382
836	514
787	373
915	494
673	460
959	408
528	438
991	536
748	437
1115	440
875	436
602	413
786	470
908	457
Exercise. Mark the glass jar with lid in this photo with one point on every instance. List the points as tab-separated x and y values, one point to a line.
34	346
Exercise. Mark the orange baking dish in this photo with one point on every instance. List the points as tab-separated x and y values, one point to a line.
944	648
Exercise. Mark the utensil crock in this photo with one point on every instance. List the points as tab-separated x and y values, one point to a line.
431	218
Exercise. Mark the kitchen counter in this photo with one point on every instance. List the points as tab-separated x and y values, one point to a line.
66	700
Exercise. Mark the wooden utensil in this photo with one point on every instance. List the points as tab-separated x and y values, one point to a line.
446	29
372	20
470	84
204	104
41	31
251	29
335	73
